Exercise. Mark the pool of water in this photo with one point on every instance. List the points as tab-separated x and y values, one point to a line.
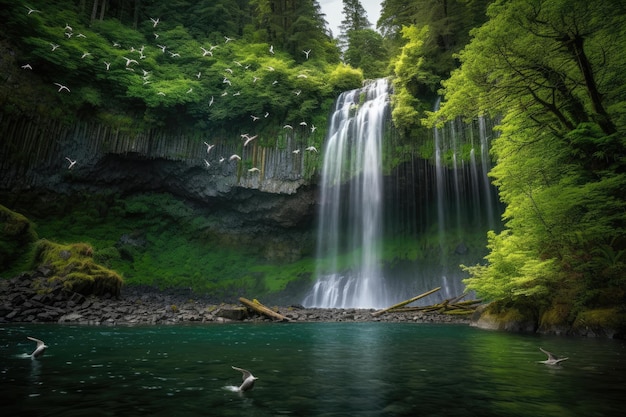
306	369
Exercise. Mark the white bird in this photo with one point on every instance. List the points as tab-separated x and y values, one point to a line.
156	35
161	93
198	75
250	139
267	114
108	65
68	34
68	27
228	39
27	66
208	147
302	76
255	79
224	94
552	358
207	163
212	47
221	159
85	55
313	127
116	45
270	68
190	90
254	118
248	379
303	124
287	127
311	149
32	10
297	92
162	47
62	87
234	156
211	101
228	70
272	49
72	163
296	152
155	21
238	93
54	46
275	82
80	35
129	61
307	53
254	169
239	64
40	349
226	81
174	54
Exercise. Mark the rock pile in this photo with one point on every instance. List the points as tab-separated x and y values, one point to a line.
29	298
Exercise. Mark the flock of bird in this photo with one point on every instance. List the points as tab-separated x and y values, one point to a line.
132	64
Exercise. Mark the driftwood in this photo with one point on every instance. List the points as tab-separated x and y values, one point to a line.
449	306
403	303
261	309
445	307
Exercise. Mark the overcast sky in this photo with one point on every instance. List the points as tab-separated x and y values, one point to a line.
333	9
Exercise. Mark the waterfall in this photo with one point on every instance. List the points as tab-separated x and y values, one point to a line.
350	216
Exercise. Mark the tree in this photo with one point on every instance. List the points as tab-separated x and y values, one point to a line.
355	18
552	70
366	51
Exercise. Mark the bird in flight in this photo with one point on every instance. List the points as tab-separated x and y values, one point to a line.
129	61
206	163
54	46
250	139
272	49
307	53
311	149
32	10
206	52
27	66
234	156
155	21
208	147
40	349
248	378
72	163
228	39
62	87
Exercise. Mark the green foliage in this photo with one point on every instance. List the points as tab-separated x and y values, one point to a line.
560	155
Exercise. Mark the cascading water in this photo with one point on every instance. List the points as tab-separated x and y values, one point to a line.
437	209
350	216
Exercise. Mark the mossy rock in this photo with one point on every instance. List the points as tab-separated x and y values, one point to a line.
74	267
16	235
495	316
605	322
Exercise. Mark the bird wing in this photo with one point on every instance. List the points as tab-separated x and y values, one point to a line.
551	356
39	342
245	372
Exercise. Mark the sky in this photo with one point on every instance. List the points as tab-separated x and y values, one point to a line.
333	9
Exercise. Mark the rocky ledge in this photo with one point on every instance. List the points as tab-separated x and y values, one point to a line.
22	302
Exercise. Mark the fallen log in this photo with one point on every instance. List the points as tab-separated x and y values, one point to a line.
261	309
403	303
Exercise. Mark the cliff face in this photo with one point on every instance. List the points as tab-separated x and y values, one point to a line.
153	188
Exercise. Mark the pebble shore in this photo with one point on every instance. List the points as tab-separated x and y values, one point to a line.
20	302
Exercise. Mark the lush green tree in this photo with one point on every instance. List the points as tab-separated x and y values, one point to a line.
355	19
553	71
366	51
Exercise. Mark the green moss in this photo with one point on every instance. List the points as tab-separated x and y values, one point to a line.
16	236
601	319
74	267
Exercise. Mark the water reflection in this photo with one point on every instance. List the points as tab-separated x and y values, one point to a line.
313	369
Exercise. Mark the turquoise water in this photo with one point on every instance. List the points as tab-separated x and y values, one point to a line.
306	369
